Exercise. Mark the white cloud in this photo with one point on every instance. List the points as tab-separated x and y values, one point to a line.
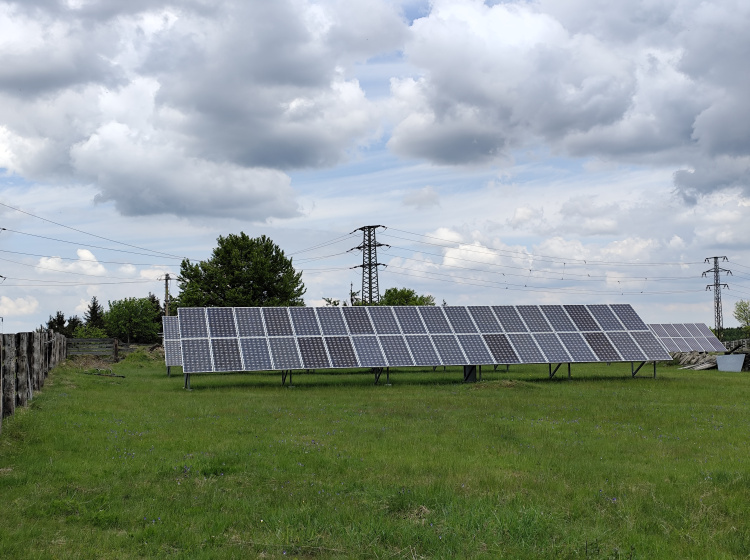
425	197
86	264
17	307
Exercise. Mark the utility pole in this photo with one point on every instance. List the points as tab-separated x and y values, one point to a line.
717	285
370	264
166	294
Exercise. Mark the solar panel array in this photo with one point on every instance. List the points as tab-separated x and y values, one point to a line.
687	337
287	338
172	345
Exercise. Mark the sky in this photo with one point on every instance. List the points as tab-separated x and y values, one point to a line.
516	152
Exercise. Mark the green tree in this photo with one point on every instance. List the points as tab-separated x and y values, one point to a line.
242	272
94	315
87	331
405	296
58	324
133	319
742	314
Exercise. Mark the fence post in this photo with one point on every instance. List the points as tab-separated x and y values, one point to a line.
9	374
22	370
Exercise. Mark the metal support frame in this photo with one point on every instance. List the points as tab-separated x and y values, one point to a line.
187	381
634	370
553	372
284	374
470	374
169	371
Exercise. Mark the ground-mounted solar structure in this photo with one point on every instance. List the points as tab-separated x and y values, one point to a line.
172	344
286	339
687	337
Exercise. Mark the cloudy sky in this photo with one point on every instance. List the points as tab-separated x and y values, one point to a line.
517	152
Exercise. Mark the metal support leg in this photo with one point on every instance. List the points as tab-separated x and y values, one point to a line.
387	376
169	373
480	372
553	372
378	371
284	373
568	370
187	381
654	369
636	370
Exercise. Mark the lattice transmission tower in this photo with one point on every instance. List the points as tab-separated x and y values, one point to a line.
717	285
370	264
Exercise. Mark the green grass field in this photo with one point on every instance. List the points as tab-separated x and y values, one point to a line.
517	466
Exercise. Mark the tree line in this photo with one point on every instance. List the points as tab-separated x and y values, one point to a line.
241	272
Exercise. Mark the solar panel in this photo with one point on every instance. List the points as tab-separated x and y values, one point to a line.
422	350
533	318
396	351
221	322
717	345
650	346
681	343
704	343
284	353
196	355
449	350
369	352
602	347
459	319
670	344
527	349
172	353
255	354
558	318
192	322
605	317
629	317
670	330
304	320
501	349
625	345
581	317
331	320
682	329
509	318
409	319
434	319
577	347
485	319
342	352
475	349
383	320
313	352
659	331
249	321
693	344
171	327
358	320
226	354
693	330
277	321
707	332
552	348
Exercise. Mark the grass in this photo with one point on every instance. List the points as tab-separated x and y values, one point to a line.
518	466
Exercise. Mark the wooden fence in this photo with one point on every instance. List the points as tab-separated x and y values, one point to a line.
25	360
93	347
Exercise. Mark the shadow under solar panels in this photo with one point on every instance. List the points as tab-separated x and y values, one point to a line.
396	351
341	351
255	354
369	352
313	352
226	353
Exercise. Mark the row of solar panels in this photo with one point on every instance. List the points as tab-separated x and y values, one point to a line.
259	339
687	337
243	322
